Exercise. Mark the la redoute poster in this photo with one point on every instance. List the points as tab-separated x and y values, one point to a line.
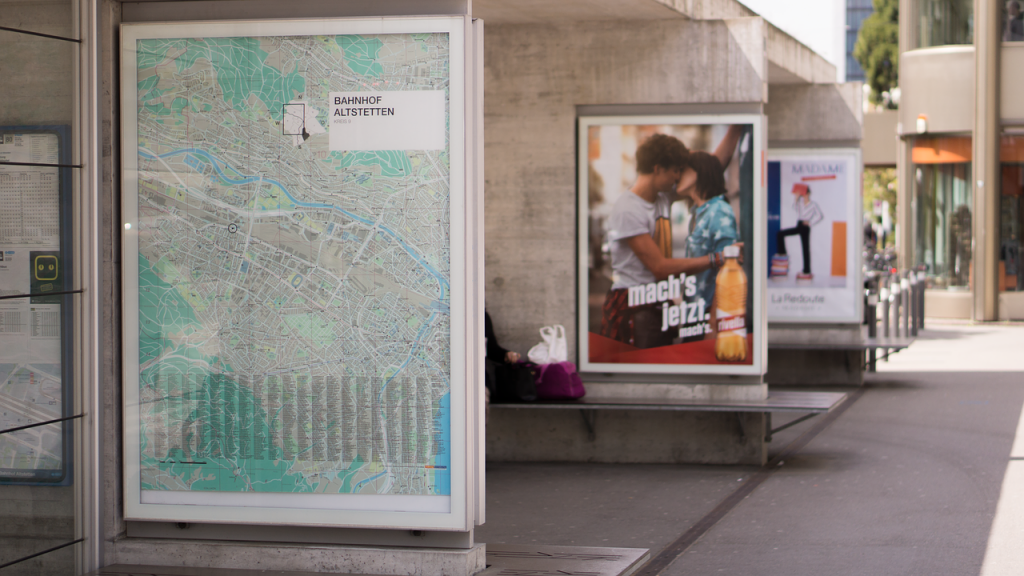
813	235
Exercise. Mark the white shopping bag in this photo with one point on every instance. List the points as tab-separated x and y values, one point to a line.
554	347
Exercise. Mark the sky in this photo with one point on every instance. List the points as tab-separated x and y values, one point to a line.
820	24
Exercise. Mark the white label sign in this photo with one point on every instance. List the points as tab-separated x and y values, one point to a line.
409	120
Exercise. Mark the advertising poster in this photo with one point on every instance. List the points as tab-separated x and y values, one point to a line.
668	251
814	235
295	286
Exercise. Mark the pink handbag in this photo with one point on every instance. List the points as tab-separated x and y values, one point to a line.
559	381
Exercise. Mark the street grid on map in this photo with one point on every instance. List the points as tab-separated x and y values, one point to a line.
293	301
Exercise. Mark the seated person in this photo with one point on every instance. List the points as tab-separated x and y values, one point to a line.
495	355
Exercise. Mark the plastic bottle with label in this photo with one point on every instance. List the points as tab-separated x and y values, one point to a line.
731	311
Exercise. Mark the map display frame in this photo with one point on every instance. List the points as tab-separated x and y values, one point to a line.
834	178
36	337
331	390
679	328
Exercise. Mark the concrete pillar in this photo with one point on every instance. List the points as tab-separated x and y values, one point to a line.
986	159
904	168
905	207
815	116
908	25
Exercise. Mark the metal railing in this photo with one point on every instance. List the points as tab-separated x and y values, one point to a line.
893	312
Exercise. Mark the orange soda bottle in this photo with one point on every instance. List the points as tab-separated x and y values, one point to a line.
731	311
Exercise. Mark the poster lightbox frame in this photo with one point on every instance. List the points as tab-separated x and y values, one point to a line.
371	511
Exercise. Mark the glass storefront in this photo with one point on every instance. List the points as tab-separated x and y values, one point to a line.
1011	215
39	49
1013	21
942	206
945	22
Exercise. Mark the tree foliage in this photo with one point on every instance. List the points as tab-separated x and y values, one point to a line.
880	184
878	52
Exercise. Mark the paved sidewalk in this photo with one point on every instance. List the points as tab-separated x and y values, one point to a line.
906	481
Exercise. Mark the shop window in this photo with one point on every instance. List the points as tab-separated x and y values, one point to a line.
942	194
945	22
1011	215
1013	21
37	173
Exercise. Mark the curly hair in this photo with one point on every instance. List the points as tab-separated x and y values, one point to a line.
661	150
710	177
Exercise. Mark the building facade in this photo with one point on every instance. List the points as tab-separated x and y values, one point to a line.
960	121
856	12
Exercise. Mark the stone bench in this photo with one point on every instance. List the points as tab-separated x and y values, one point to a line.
538	426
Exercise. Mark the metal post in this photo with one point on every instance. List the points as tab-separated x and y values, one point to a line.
907	303
883	299
914	297
922	277
872	312
896	296
920	300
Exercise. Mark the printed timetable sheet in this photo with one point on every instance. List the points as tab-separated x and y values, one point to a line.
31	388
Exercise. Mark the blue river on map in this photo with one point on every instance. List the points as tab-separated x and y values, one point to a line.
247	180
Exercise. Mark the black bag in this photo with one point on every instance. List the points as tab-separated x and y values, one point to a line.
512	382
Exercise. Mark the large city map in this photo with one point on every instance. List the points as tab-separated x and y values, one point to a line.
293	298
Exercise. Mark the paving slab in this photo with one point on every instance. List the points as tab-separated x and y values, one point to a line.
138	570
905	482
510	560
615	505
502	560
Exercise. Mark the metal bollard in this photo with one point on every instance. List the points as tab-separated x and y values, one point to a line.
883	300
920	301
922	278
918	288
912	288
896	297
908	302
872	313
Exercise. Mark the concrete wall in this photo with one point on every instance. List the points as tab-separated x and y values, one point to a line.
535	76
939	83
627	436
814	116
879	145
834	367
544	11
37	86
1011	305
112	513
792	62
947	304
817	114
710	9
1011	84
36	89
815	367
